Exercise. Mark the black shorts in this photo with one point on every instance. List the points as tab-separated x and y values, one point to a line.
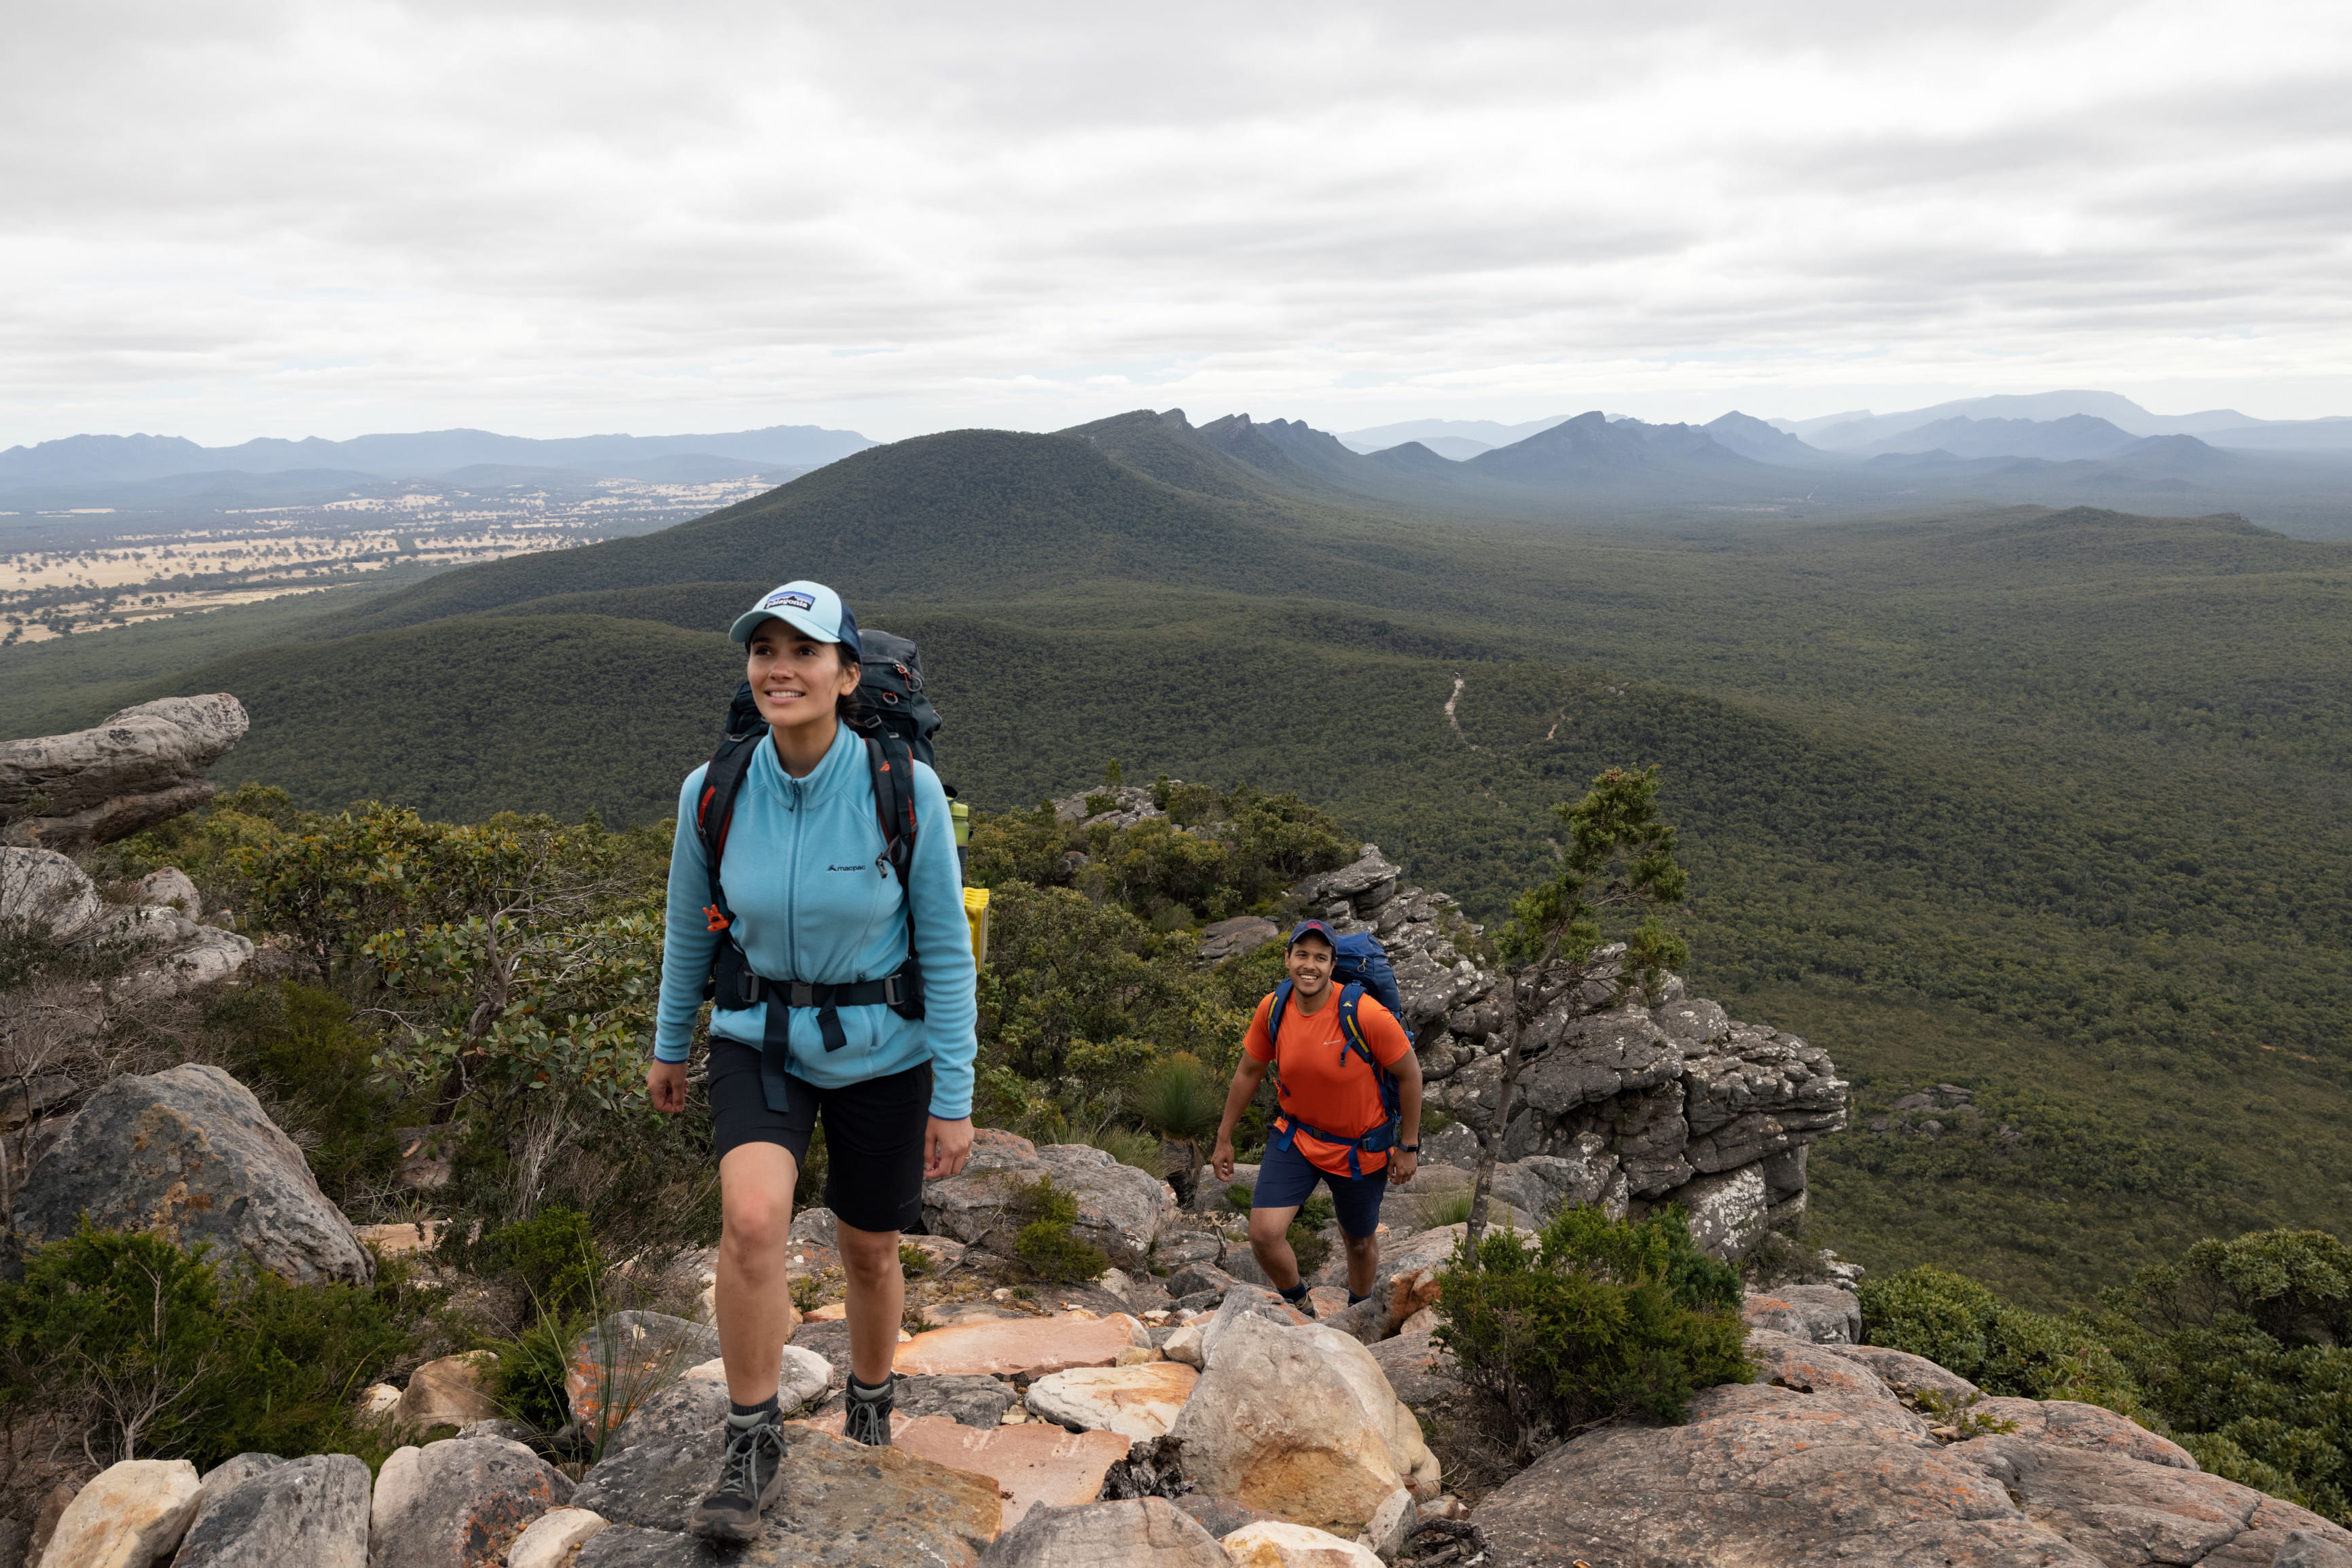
874	1133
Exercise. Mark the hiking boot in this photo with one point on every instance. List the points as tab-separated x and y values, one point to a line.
865	1418
748	1478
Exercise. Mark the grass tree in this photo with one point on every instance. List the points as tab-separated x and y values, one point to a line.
1586	938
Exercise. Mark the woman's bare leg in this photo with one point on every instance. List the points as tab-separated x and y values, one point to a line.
754	1298
878	1300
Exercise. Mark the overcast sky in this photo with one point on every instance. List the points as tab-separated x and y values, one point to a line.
231	220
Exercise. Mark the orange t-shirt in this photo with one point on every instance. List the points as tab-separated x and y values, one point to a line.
1324	1083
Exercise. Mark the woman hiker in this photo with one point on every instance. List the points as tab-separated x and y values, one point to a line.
807	895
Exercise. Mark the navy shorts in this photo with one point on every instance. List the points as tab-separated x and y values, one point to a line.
1287	1179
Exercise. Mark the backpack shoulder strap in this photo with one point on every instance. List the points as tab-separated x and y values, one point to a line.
1274	1016
714	812
893	762
1352	1032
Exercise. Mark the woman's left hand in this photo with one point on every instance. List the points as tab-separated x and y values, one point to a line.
946	1146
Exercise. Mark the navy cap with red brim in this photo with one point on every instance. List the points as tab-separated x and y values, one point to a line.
1310	928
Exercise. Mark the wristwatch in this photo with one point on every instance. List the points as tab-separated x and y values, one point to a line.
1408	1148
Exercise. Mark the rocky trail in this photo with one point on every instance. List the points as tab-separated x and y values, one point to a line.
1172	1411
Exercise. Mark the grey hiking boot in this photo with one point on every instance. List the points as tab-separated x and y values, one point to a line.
866	1415
748	1478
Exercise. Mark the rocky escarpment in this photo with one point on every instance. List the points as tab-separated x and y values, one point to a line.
138	768
1679	1102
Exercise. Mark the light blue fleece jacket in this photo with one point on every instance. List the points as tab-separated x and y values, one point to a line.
814	900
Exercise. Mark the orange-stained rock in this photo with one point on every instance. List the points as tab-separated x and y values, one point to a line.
1030	1463
627	1359
1014	1346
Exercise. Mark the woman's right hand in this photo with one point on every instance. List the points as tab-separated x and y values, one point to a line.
666	1086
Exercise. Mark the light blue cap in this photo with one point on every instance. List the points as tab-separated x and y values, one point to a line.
812	607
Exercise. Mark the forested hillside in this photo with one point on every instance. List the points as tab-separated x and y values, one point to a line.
2045	804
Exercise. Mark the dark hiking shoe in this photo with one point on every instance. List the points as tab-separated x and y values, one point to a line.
865	1418
748	1478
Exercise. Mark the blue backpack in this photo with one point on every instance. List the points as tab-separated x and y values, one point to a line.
1360	965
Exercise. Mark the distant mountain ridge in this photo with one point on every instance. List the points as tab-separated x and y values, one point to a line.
91	459
1865	432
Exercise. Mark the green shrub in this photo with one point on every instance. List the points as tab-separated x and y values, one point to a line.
553	1255
530	1379
1592	1320
157	1354
303	1049
913	1261
1959	1325
1045	1243
1308	1245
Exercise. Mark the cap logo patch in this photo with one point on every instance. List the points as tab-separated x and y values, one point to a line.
784	600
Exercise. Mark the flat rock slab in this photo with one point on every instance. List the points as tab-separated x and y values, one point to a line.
1014	1348
1139	1403
973	1399
850	1507
191	1153
311	1510
1030	1464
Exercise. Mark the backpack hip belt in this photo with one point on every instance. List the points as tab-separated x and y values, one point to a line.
736	986
1379	1139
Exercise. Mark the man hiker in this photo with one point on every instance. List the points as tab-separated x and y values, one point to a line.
1349	1112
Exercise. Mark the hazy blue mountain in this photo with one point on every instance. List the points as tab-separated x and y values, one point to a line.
1867	432
83	459
1593	449
2057	440
2332	435
1753	438
1486	433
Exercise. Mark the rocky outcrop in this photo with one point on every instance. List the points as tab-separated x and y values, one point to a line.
190	1153
164	947
1148	1533
137	768
1820	1459
1628	1108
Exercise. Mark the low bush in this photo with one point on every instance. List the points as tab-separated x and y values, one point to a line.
1591	1319
552	1256
151	1352
1962	1327
303	1049
1045	1243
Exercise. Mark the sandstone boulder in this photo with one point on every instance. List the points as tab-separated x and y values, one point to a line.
1825	1314
1149	1532
1909	1376
453	1391
1286	1545
1301	1423
134	769
1120	1209
549	1539
176	954
1139	1403
2065	1424
969	1399
312	1513
44	894
1239	935
458	1503
190	1153
1031	1463
852	1505
171	888
1757	1092
131	1515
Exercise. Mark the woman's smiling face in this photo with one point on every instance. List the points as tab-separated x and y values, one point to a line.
796	679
